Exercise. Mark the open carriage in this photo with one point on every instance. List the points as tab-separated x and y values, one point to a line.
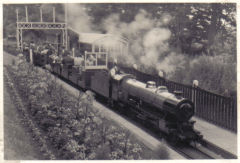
80	69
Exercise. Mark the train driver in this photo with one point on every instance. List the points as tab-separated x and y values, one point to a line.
115	70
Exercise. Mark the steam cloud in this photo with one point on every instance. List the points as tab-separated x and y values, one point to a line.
147	37
78	18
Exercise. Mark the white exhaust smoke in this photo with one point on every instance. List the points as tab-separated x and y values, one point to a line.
148	38
78	17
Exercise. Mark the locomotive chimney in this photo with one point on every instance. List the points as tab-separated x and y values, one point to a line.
178	94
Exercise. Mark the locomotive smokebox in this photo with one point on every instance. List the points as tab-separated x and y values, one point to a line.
185	110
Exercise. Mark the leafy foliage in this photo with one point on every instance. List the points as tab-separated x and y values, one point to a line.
194	26
218	74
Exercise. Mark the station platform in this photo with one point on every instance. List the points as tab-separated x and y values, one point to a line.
218	136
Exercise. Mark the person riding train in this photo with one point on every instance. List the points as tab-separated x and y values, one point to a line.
114	70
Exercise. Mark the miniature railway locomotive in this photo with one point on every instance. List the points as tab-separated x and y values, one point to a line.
165	111
168	112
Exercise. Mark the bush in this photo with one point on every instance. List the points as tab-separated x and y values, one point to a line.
214	73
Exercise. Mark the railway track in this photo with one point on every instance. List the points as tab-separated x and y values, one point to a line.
192	153
202	150
218	151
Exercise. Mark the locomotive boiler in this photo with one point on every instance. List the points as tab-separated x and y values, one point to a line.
158	99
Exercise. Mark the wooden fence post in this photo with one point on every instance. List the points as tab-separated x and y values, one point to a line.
195	85
160	76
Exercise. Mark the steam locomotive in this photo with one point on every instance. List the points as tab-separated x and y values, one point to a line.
168	112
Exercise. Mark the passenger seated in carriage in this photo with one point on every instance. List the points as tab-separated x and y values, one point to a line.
90	60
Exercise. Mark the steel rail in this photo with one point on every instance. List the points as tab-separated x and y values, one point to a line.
218	150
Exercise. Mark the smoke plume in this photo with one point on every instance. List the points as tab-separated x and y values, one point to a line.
78	18
147	38
148	41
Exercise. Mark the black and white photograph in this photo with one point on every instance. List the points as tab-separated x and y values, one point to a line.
119	81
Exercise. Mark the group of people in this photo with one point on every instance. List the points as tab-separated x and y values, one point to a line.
43	47
47	49
58	54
